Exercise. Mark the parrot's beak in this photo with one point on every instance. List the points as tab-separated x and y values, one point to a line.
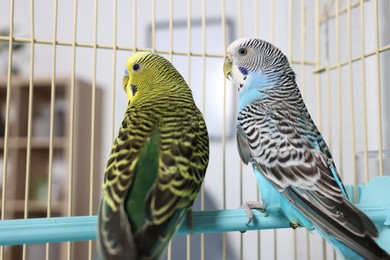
125	84
227	66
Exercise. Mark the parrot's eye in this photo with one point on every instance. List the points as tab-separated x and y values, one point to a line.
242	51
136	67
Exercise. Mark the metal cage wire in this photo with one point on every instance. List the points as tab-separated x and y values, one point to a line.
316	34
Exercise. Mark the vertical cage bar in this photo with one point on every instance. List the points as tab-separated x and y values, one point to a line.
7	112
223	21
256	16
290	30
239	19
71	121
328	90
170	30
272	21
339	85
378	88
353	136
154	25
240	35
364	89
93	115
303	47
189	46
52	106
29	117
204	69
114	53
318	61
134	26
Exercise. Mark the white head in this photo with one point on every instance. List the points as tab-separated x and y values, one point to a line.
245	56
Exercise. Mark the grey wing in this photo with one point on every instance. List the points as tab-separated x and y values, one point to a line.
290	152
270	139
242	145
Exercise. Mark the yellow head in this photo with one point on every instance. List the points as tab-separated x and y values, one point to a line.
149	74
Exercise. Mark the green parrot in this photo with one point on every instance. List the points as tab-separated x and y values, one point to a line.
157	163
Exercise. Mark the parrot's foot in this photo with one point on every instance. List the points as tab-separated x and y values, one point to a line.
294	225
249	205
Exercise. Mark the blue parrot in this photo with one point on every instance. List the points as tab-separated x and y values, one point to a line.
292	163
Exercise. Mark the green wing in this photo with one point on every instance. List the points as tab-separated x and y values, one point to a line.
115	232
154	174
182	162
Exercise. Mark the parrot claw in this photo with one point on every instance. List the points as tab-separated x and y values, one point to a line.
294	225
249	205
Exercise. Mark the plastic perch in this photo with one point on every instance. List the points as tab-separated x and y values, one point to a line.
61	229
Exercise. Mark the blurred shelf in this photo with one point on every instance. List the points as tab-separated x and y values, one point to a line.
36	142
37	206
40	82
40	143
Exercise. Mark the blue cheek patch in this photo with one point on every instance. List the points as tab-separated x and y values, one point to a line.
243	70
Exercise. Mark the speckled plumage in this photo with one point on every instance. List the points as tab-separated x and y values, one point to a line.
291	160
157	163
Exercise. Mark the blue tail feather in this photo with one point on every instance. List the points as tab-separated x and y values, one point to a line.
275	201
